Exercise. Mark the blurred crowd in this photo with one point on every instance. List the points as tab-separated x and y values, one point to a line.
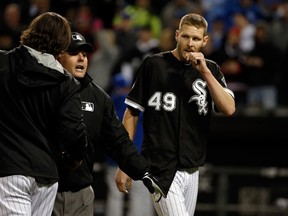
248	39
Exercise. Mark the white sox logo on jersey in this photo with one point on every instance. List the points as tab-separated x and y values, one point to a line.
198	87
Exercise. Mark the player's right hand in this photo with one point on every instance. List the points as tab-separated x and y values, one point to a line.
123	181
153	186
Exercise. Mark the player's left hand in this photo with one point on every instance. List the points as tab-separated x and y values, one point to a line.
123	181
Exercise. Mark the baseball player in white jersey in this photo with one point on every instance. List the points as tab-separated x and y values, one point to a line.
177	91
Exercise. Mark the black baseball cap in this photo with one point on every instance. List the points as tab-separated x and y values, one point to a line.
78	42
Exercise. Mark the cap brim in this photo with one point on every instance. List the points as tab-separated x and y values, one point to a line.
86	47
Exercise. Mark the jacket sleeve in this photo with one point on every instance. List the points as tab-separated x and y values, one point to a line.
119	146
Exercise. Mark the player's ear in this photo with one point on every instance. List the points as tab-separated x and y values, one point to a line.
176	35
205	40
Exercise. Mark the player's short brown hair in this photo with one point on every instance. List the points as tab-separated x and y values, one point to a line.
194	19
49	32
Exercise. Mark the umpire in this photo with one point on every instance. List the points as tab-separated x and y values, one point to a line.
105	132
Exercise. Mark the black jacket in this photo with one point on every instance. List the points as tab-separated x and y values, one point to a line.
40	114
106	134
